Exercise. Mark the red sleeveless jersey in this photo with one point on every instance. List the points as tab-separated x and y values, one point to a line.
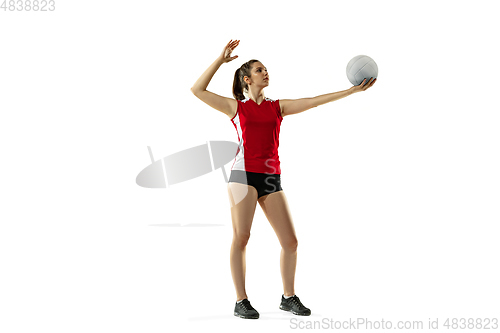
258	129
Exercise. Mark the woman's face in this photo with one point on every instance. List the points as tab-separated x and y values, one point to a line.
259	74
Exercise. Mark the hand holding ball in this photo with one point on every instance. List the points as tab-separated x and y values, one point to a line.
361	67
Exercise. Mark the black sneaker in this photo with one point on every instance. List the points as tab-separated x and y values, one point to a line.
294	306
245	310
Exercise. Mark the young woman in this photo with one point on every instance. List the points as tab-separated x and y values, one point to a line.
255	174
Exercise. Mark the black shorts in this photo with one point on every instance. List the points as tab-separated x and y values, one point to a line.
264	183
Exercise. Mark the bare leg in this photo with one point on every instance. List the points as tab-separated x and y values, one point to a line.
242	214
275	207
288	263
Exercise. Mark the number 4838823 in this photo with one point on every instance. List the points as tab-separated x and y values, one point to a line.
28	5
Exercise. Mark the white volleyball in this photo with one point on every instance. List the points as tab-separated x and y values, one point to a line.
361	67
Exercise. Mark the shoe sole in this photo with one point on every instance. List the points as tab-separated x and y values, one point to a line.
294	312
241	316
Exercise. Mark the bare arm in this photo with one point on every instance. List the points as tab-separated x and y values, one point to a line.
294	106
199	89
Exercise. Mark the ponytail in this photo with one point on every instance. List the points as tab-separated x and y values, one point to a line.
237	88
239	85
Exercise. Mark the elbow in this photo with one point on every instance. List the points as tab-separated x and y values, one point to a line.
195	91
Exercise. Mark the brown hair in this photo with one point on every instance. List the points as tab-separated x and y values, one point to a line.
239	84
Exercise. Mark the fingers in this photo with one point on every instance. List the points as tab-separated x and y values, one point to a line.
365	85
229	49
232	44
370	83
226	52
231	58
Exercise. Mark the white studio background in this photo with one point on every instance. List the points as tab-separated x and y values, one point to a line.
394	191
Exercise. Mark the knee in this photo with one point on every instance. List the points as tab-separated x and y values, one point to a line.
240	239
290	245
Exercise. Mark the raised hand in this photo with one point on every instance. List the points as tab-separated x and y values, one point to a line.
226	53
363	85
